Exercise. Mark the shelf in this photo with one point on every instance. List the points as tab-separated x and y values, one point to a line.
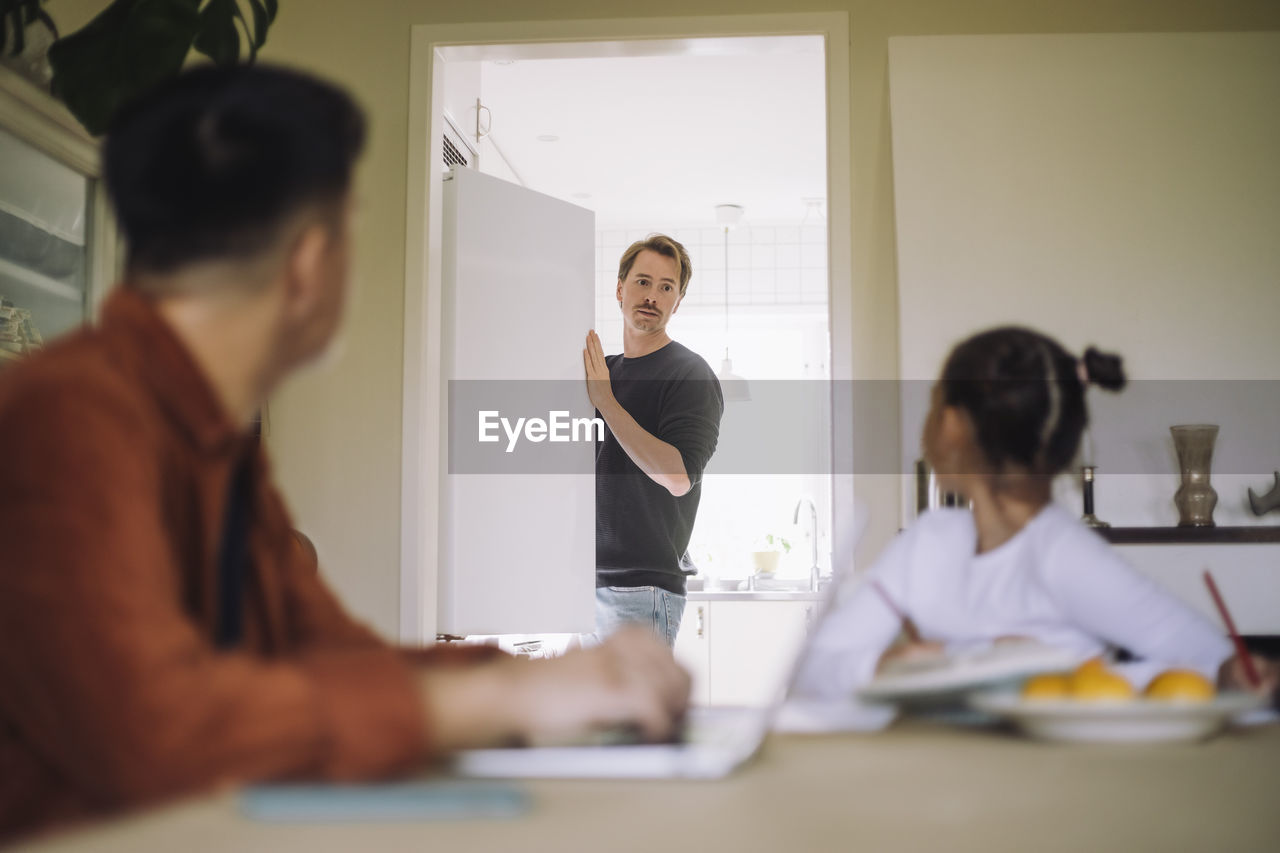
1190	535
40	282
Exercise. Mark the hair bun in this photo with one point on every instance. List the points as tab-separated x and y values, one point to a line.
1104	369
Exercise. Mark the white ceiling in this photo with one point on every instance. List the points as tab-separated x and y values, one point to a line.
658	141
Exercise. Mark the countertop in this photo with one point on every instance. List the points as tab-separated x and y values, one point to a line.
755	595
917	786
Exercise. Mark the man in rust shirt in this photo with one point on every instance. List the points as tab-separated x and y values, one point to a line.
161	629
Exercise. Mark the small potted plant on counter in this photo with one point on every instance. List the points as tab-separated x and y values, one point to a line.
769	550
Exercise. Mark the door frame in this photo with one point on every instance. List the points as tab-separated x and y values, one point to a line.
423	458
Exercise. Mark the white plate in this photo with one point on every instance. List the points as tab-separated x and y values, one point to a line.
823	716
953	677
1136	721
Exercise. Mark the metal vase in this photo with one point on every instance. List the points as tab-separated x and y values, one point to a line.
1195	498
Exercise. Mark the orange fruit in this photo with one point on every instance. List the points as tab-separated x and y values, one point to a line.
1180	685
1099	684
1093	664
1046	687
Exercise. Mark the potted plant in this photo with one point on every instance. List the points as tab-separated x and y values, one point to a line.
134	44
769	550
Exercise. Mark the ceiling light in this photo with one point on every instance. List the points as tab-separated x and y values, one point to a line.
734	388
582	195
728	215
548	137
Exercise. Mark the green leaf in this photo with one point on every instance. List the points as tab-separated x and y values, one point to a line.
248	34
15	17
19	32
19	37
272	8
261	21
217	37
248	38
122	53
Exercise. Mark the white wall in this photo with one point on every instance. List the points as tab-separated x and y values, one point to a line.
463	88
1118	190
461	91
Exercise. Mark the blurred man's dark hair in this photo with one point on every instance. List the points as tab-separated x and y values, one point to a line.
211	164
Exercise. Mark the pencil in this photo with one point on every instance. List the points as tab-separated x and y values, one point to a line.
907	625
1241	651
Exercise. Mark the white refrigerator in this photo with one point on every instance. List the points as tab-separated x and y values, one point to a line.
517	529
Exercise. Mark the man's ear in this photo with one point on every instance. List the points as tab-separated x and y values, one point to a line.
618	292
304	270
955	424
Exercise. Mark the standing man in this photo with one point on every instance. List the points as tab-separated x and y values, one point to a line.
662	405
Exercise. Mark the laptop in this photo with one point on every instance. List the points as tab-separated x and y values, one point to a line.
714	742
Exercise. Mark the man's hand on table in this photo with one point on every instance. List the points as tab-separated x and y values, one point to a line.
629	680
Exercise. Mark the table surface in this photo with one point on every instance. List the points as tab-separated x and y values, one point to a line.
918	786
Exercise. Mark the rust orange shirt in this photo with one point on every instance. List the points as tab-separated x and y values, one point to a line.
115	460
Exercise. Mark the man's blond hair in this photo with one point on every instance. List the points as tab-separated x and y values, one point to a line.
663	245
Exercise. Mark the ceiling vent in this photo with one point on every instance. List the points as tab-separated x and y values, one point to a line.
457	152
452	157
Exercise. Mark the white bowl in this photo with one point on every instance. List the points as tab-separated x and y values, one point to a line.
1135	721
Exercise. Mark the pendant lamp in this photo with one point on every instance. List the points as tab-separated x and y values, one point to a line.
733	386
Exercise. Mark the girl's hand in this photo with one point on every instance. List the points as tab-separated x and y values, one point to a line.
1231	675
917	651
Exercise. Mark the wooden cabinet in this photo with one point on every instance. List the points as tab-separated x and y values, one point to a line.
740	651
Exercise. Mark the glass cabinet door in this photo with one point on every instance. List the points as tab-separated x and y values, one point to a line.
44	251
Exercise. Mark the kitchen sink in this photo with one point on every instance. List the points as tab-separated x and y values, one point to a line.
768	584
697	584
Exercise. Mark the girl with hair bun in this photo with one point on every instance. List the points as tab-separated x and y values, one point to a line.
1006	417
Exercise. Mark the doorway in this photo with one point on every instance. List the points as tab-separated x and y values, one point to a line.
772	292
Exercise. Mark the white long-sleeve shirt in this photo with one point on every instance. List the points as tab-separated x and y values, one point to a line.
1055	581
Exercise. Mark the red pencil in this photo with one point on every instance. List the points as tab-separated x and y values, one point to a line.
1241	652
907	625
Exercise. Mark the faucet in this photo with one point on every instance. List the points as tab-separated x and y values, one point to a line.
813	540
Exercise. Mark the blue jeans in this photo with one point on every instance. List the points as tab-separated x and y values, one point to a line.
647	605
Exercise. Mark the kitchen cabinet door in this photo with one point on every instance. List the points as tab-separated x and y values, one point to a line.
693	649
752	648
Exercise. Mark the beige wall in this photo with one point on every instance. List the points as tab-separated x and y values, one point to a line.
1120	190
336	436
